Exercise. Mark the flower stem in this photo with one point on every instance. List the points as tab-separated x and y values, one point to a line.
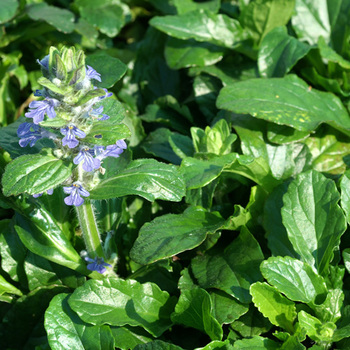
91	234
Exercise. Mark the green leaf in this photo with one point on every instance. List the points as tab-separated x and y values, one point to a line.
315	14
6	287
61	19
194	310
183	6
330	55
277	308
329	310
232	271
225	308
217	345
256	343
261	16
107	133
276	234
329	150
189	230
157	344
8	10
315	329
286	101
129	337
40	233
190	53
108	16
118	302
313	219
34	174
65	329
346	257
345	194
294	278
144	177
279	52
202	26
281	134
110	68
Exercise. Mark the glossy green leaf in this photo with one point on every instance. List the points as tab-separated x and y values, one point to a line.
330	55
40	233
345	194
315	14
261	16
66	331
190	53
127	337
6	287
279	52
188	230
61	19
106	133
144	177
34	174
232	271
252	323
313	219
329	151
183	6
276	234
256	343
194	310
157	345
277	308
225	308
118	302
281	134
110	68
293	278
315	329
330	309
286	101
202	26
108	16
346	257
8	10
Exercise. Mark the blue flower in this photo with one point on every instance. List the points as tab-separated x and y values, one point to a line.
110	151
39	108
95	113
89	162
44	62
108	94
97	264
49	192
75	192
92	74
29	134
71	131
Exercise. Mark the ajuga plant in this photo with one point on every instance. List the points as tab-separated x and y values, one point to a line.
72	114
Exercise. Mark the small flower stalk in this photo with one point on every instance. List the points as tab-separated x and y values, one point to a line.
70	110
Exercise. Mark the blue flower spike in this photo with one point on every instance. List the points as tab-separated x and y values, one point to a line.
97	264
75	192
70	132
89	162
38	109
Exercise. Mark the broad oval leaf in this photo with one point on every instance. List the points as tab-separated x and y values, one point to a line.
295	279
171	234
256	343
277	308
202	25
232	271
118	302
193	309
313	219
8	10
144	177
279	52
66	331
286	101
34	174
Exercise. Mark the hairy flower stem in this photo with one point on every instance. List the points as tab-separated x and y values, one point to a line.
91	234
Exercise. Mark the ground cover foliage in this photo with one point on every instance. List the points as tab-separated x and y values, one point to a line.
224	219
